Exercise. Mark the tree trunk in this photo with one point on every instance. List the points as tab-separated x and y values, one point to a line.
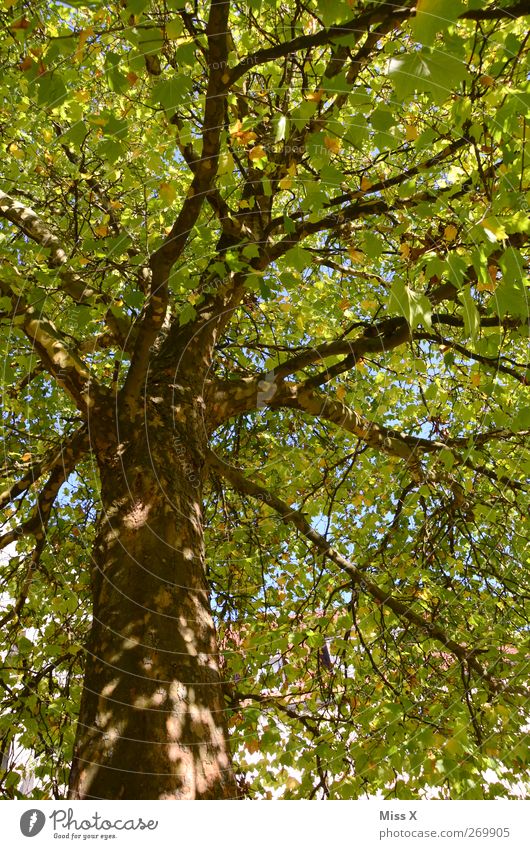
152	719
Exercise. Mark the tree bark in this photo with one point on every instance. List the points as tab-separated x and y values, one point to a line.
152	722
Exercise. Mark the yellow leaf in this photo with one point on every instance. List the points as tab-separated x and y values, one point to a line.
285	183
15	151
341	392
173	29
486	80
257	153
83	36
355	254
167	193
491	284
101	230
411	132
450	233
247	137
404	249
315	96
240	135
332	144
453	746
26	457
365	184
344	304
292	783
226	163
475	379
494	229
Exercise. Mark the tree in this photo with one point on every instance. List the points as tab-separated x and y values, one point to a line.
264	309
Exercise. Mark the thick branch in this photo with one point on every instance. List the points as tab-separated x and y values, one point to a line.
231	398
163	259
360	24
353	212
384	336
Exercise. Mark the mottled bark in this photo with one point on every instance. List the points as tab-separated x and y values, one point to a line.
152	720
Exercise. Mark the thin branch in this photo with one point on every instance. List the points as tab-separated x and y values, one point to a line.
57	355
495	14
357	26
34	560
32	226
70	450
37	522
494	363
462	652
27	220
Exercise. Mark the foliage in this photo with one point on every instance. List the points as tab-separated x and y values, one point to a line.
369	196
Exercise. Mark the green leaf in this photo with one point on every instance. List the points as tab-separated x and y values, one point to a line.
115	127
281	126
334	12
52	90
172	92
435	73
470	313
522	419
298	258
301	115
111	150
76	134
187	314
433	16
151	41
414	306
134	299
5	304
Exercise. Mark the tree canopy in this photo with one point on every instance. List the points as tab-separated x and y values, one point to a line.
320	209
